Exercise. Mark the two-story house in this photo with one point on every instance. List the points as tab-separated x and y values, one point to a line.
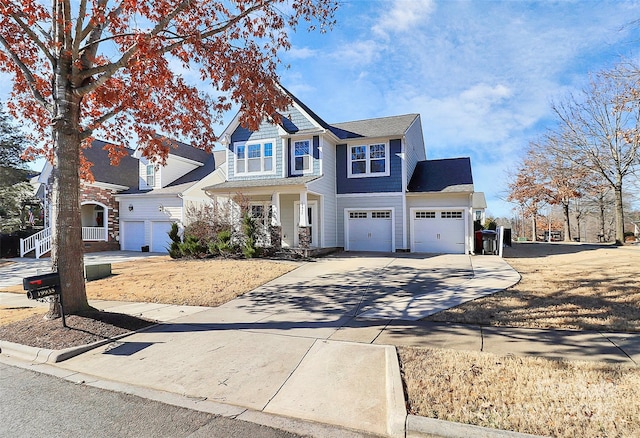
363	186
132	206
162	194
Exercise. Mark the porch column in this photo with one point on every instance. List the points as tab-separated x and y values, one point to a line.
304	222
304	230
276	225
275	209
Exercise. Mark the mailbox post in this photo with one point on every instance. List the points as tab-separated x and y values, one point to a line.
42	286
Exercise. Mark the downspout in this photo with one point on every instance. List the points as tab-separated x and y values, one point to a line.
403	156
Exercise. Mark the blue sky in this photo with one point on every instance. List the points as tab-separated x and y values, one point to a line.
482	74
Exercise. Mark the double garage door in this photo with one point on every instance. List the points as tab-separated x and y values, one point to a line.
438	231
369	230
133	236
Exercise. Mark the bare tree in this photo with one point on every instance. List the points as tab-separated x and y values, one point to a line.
600	131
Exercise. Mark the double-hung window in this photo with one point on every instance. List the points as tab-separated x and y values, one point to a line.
151	175
368	160
301	160
254	158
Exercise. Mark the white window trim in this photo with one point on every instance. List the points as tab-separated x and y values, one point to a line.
246	145
368	173
293	157
154	175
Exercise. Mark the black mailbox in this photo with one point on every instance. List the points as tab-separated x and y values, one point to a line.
40	286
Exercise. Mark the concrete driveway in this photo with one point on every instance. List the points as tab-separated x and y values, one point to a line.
301	346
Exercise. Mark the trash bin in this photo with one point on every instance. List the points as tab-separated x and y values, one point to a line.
144	248
489	242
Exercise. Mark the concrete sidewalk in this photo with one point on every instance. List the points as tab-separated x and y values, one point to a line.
318	344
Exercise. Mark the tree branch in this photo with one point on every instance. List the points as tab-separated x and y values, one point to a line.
31	80
32	35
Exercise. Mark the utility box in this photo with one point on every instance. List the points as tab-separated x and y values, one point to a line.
96	272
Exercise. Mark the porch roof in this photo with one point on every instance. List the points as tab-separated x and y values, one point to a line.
260	183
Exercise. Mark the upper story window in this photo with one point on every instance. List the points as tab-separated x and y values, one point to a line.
301	157
151	175
254	158
368	160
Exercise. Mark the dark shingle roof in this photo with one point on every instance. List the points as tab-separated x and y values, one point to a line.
381	127
184	150
447	175
271	182
124	174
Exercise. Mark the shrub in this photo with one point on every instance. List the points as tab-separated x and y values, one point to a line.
174	249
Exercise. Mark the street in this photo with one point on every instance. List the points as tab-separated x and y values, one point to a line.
38	405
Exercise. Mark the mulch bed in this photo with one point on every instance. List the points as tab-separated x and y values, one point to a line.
87	328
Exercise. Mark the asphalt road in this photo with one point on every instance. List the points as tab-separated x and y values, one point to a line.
37	405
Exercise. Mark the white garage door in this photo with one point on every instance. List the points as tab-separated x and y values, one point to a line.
438	231
132	235
370	230
160	241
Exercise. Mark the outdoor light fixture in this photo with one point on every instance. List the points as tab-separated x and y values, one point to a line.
130	207
160	208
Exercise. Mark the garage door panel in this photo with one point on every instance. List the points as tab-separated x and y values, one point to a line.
160	241
132	235
438	231
370	230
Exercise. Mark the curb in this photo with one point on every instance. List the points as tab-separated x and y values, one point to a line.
45	355
396	406
288	424
423	427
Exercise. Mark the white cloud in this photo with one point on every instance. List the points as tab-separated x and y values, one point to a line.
358	53
403	16
301	53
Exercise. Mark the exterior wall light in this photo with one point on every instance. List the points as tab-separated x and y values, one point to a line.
130	207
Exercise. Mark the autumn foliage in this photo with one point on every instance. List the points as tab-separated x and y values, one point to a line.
128	69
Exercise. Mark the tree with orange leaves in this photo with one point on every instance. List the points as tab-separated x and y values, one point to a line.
108	66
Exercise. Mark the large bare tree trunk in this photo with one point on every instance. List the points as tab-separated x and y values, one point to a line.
619	214
67	249
567	224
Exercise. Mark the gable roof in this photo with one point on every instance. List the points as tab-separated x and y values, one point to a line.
446	175
124	174
380	127
184	150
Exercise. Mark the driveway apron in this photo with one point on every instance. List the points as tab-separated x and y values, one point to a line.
292	347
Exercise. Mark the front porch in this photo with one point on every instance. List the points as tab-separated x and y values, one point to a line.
95	233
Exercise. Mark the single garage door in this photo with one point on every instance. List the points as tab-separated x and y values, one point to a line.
370	230
132	235
160	241
438	231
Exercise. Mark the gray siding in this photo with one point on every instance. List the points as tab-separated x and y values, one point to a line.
326	186
414	147
376	184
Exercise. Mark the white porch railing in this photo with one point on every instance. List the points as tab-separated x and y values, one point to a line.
93	233
41	242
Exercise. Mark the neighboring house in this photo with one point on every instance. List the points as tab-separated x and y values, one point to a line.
161	195
133	204
99	208
363	186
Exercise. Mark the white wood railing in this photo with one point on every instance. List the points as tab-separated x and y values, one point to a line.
41	242
93	233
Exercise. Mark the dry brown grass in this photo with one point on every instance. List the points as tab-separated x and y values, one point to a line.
210	282
13	314
563	286
529	395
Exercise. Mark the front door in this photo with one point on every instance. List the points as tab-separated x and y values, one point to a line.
312	221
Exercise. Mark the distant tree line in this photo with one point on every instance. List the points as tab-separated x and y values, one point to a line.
588	164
